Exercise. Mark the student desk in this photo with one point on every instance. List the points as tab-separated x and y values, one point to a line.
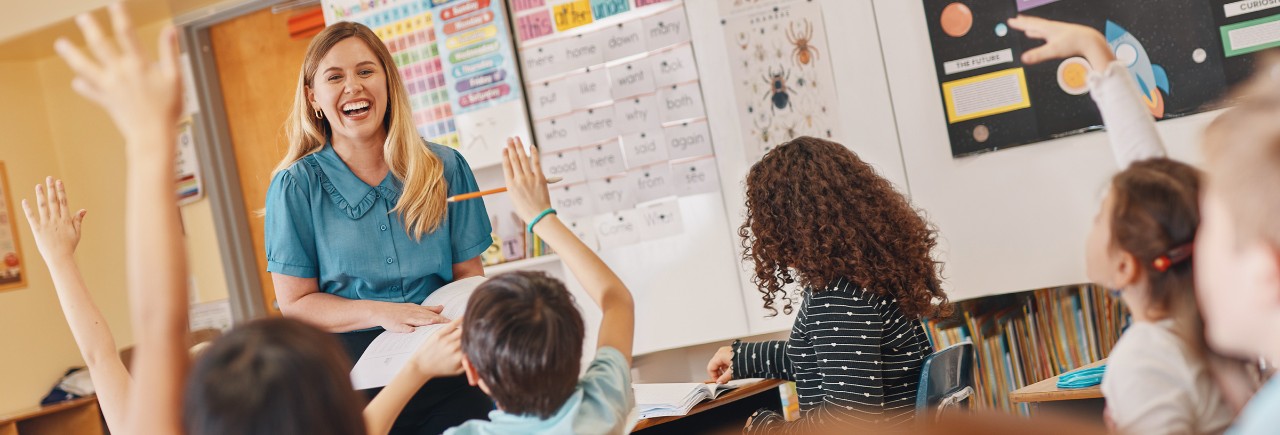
76	416
752	396
1046	396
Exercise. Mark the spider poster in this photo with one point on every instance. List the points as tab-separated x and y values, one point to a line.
1184	55
782	75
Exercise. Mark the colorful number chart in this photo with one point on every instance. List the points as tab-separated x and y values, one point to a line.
458	65
617	109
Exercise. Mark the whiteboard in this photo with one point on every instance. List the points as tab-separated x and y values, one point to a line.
1011	220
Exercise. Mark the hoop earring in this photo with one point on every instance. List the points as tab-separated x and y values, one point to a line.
319	114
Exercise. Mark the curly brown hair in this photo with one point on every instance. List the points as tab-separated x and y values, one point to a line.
816	212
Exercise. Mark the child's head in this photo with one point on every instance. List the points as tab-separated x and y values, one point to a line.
1142	237
273	376
1239	266
522	342
816	212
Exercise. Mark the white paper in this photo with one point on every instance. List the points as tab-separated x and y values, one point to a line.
590	87
391	350
661	219
666	28
210	315
602	160
566	164
624	39
581	51
574	200
696	176
652	182
595	125
543	60
612	194
618	229
549	98
681	102
674	66
558	133
637	114
644	148
585	231
690	139
631	79
483	133
190	100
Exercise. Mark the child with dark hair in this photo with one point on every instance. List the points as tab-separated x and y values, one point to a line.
522	335
1161	377
820	217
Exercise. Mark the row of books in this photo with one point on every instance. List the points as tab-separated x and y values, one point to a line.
513	248
1023	338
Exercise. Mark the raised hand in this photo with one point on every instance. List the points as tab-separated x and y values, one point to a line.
525	182
1063	40
56	227
143	97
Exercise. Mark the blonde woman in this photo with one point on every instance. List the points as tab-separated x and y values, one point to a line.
358	232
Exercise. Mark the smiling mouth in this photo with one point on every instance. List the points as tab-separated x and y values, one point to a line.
356	109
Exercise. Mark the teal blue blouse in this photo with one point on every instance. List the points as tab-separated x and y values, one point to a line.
323	222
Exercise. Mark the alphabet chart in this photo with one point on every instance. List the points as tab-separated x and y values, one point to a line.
618	112
458	66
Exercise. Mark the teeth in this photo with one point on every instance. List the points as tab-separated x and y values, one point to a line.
355	105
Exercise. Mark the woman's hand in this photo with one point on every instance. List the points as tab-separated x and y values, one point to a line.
144	98
1063	40
56	228
398	317
720	368
525	182
441	354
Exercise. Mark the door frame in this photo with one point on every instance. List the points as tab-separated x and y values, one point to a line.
214	149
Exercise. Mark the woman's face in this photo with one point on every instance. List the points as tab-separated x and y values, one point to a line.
350	87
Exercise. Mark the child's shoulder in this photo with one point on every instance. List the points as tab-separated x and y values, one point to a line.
1147	343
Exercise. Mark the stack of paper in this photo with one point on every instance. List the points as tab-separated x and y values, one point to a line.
665	400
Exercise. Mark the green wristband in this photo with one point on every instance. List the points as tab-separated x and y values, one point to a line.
539	218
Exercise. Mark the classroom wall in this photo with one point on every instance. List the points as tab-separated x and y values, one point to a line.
60	133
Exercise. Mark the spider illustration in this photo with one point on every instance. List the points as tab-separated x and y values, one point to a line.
743	41
760	53
778	90
803	53
791	131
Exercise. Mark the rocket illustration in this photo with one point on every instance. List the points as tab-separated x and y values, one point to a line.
1152	79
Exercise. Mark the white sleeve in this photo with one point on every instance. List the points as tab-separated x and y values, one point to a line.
1130	126
1148	393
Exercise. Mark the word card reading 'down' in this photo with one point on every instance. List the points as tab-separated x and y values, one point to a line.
624	39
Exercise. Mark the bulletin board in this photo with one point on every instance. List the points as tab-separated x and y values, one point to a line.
1184	55
458	65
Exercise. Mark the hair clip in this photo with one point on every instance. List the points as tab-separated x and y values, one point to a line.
1174	256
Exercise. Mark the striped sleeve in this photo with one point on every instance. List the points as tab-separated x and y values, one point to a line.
846	337
765	359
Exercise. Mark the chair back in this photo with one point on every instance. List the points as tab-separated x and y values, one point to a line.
946	381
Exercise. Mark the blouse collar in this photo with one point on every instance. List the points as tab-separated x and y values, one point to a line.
345	189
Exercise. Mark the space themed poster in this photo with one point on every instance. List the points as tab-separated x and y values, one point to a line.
1179	51
781	71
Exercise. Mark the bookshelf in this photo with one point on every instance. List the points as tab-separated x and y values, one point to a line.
1022	338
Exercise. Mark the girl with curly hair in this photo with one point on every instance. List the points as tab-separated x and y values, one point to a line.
820	217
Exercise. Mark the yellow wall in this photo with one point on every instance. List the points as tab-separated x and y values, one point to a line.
56	132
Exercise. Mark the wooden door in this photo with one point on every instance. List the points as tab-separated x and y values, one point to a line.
258	65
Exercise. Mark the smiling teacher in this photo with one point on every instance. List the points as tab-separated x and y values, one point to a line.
358	232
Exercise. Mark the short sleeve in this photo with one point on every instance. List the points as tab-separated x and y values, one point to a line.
469	227
289	233
608	397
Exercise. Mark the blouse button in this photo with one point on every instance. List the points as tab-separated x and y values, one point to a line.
390	260
383	227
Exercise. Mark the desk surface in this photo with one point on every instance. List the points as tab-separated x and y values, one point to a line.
40	411
727	398
1048	391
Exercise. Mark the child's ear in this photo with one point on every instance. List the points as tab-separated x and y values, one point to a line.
472	377
1128	270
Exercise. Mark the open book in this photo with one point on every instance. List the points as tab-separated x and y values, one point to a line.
391	350
665	400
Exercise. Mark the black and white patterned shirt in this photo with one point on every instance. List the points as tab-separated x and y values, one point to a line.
854	356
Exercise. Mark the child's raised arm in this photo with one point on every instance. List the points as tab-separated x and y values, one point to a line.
143	99
57	232
528	188
1130	126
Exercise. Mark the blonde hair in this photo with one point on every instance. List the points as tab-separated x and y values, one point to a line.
1242	152
422	197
